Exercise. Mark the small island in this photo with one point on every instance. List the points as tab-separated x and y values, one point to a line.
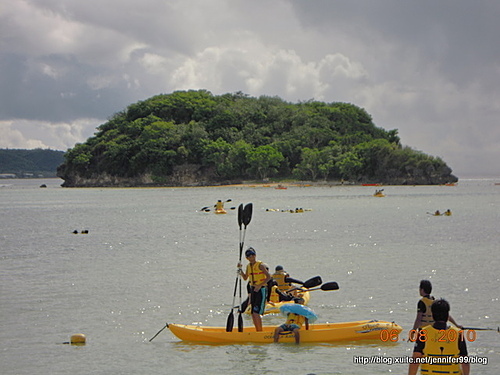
195	138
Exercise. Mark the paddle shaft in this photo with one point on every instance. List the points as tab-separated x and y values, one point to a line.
483	329
151	339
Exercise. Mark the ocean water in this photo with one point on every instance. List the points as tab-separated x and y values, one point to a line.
151	257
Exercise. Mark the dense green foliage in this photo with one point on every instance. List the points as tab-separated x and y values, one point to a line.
30	163
233	136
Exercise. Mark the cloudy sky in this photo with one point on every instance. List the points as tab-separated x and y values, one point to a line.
429	68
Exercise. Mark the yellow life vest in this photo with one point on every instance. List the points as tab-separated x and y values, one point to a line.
279	277
295	319
427	318
255	274
273	295
219	205
441	345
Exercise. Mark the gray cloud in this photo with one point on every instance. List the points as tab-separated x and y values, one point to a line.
429	69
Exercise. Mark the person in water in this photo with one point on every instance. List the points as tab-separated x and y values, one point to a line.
444	354
424	314
294	323
258	275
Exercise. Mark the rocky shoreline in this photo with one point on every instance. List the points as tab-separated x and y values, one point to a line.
147	181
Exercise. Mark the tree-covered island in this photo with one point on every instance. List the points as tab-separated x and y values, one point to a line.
195	138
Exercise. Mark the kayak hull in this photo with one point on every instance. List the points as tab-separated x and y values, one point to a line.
317	333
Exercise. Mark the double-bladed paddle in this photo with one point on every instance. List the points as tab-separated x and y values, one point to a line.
326	286
244	218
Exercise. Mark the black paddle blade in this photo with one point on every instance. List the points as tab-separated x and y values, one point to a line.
247	214
330	286
312	282
230	322
240	323
294	281
240	215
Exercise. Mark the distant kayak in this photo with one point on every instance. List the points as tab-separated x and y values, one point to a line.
292	211
438	213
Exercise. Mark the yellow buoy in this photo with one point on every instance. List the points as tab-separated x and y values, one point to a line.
78	339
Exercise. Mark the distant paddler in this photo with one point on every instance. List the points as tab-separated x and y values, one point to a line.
219	207
447	212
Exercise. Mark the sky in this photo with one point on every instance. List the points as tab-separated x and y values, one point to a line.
429	68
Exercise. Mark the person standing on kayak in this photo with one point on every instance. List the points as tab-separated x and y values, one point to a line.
424	314
258	275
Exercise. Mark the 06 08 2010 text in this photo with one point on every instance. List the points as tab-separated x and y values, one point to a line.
470	335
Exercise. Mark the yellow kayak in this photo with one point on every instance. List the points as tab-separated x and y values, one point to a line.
327	332
220	211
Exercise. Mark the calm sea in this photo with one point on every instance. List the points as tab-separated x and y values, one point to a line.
150	257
